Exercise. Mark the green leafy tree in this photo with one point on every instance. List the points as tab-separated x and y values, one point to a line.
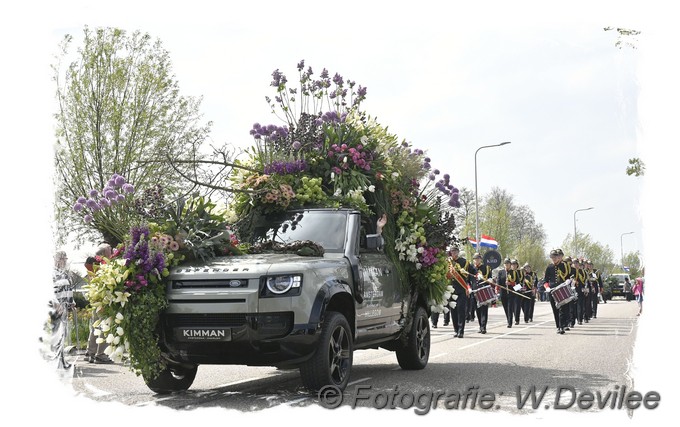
119	111
602	256
633	261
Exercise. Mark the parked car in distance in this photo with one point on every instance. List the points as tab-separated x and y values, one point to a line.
621	288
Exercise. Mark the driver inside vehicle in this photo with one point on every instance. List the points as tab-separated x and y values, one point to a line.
375	240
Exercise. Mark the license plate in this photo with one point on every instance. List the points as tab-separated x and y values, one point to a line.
203	334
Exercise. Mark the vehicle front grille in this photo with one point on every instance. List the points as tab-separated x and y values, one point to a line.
207	319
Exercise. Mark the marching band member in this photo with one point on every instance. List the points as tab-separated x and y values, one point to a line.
555	274
595	279
582	292
570	307
461	274
514	279
529	282
482	274
502	281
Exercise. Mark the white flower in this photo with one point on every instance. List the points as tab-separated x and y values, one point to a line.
454	296
121	297
338	192
116	340
395	174
452	304
447	295
449	289
109	339
371	188
433	309
446	310
108	350
105	327
344	160
421	250
99	340
364	139
120	331
119	318
419	266
332	176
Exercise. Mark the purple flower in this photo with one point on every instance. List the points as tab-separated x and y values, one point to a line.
426	166
362	91
296	145
120	198
81	200
337	79
427	159
91	204
436	171
301	65
119	181
87	219
128	188
110	194
93	193
78	207
278	78
453	201
104	202
431	176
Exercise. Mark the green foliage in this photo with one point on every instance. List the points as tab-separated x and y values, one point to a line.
636	168
120	111
141	314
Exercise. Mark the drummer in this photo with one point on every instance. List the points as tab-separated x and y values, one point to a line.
555	275
482	275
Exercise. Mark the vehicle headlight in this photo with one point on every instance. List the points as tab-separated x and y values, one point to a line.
280	285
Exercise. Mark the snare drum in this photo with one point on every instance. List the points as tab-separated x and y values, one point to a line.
485	295
563	294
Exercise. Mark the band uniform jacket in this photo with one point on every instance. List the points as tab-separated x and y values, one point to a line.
556	274
464	265
501	280
485	270
580	279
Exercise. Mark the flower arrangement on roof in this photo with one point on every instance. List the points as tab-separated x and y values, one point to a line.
326	151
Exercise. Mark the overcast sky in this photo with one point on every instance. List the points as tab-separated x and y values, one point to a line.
544	75
449	81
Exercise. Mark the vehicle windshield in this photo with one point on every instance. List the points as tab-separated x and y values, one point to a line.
326	228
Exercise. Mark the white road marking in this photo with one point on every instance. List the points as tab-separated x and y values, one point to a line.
359	381
503	335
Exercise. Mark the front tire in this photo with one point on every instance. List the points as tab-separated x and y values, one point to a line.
171	379
415	354
331	364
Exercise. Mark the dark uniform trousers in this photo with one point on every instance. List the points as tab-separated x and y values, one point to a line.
561	314
581	303
527	305
595	301
459	314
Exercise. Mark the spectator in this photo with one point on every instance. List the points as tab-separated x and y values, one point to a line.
638	291
95	352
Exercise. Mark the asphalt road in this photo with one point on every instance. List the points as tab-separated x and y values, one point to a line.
503	364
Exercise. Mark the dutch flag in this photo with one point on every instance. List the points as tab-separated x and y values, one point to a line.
485	242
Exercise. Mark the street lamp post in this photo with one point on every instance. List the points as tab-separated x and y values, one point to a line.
630	232
476	201
578	210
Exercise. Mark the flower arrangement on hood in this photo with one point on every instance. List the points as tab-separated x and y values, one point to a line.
326	151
